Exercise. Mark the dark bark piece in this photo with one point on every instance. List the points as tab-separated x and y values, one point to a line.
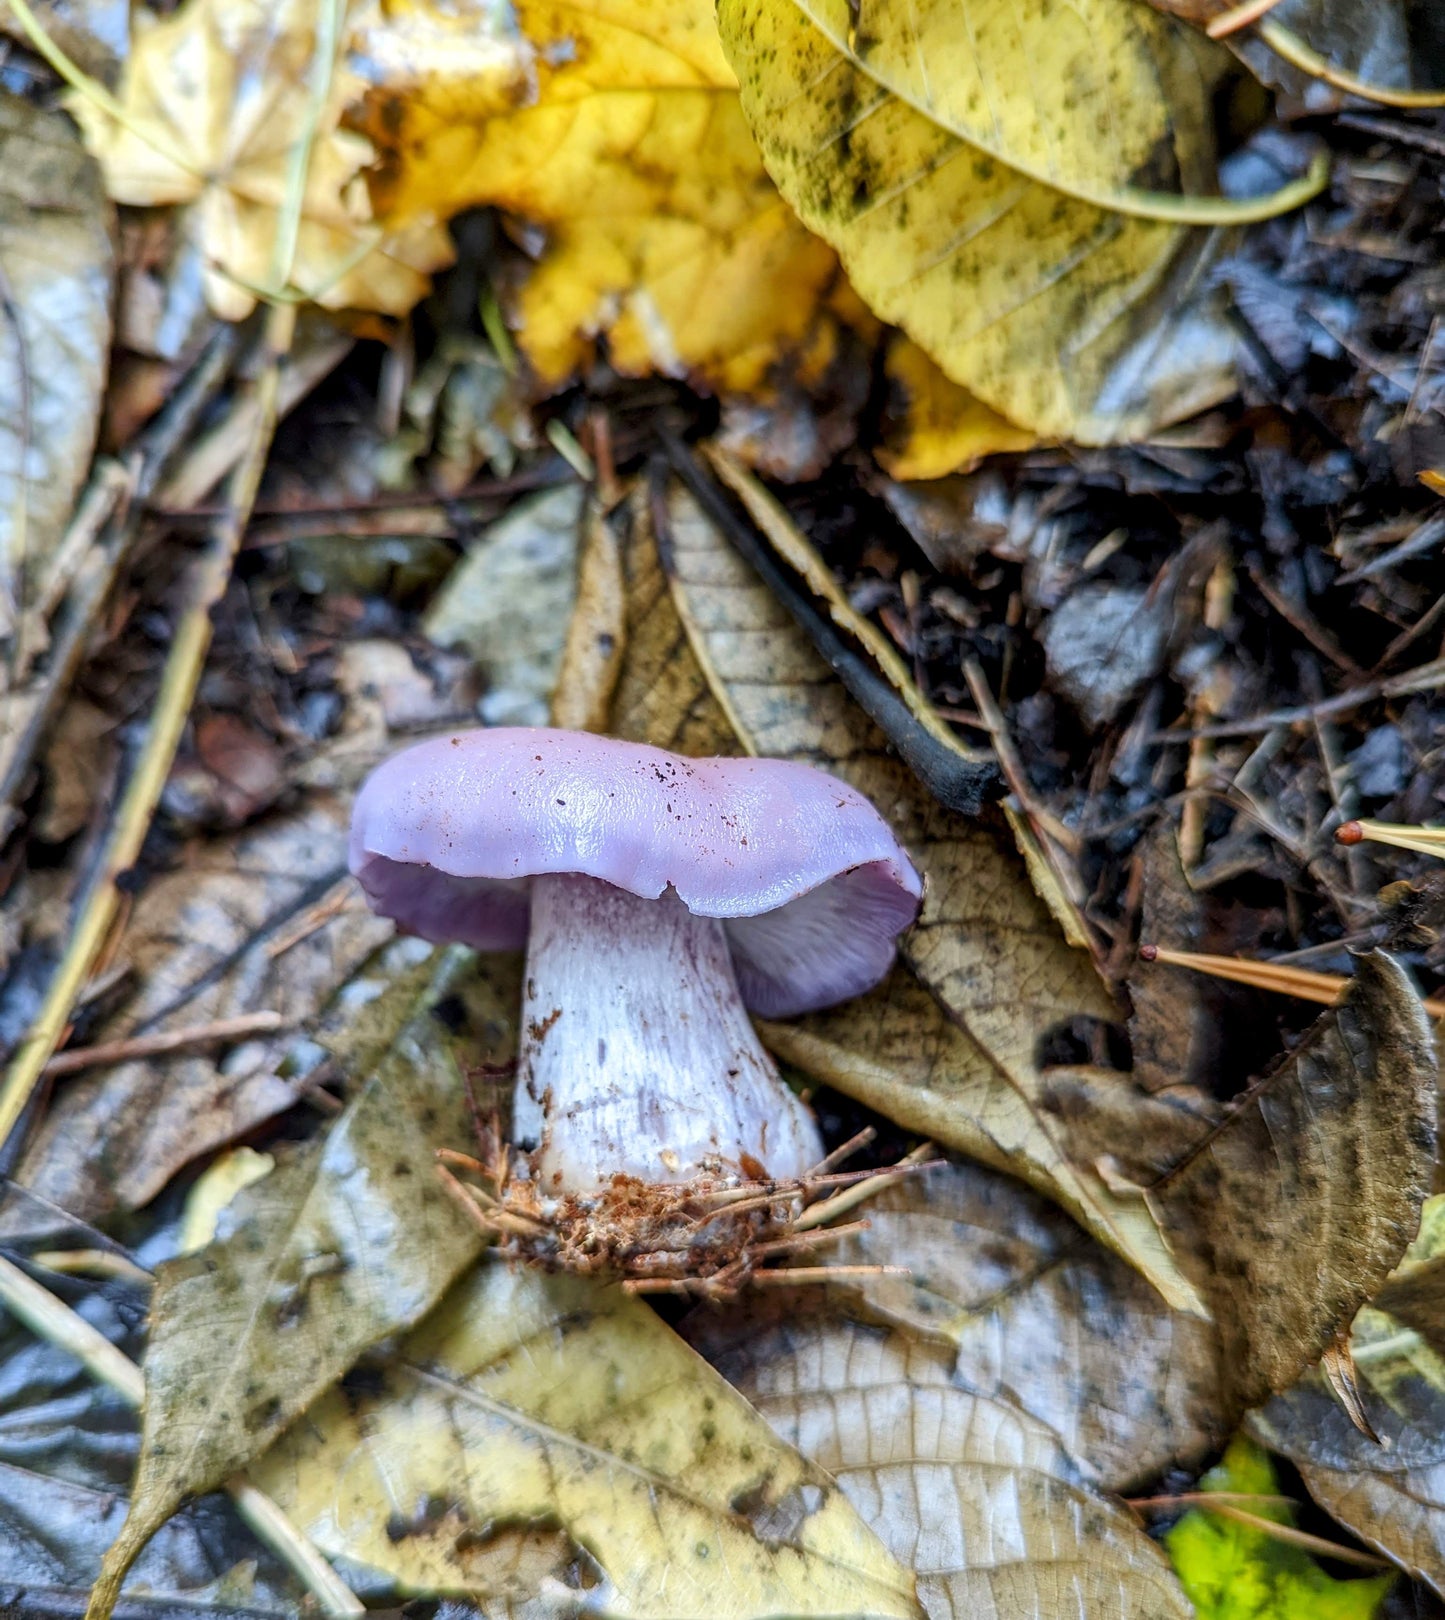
1292	1212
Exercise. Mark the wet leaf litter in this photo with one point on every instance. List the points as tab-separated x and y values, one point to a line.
1048	456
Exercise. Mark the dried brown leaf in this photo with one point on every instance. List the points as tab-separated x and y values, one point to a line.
976	1496
199	947
56	274
1044	1319
719	654
1391	1494
1291	1213
345	1243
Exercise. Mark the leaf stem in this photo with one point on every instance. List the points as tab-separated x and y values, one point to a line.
52	1320
1284	42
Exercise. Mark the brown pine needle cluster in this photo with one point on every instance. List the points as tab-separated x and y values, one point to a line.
712	1236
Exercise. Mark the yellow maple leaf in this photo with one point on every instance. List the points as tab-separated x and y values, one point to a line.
218	99
629	147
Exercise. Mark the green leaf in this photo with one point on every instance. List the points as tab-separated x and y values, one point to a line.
1232	1571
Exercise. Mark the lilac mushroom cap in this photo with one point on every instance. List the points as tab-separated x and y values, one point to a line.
811	885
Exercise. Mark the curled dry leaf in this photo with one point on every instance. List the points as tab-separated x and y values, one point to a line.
976	1496
201	946
663	230
1291	1213
596	632
219	96
960	1063
350	1240
550	1432
56	270
1044	1319
983	220
1391	1494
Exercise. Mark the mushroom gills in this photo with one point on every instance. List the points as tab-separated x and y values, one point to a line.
637	1055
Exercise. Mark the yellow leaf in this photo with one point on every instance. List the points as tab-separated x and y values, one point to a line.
1071	318
542	1426
217	99
664	233
934	427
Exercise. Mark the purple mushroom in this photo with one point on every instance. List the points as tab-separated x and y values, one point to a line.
659	899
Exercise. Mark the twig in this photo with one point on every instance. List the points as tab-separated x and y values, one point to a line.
1426	678
1297	1538
52	1320
960	784
1237	17
168	719
174	1040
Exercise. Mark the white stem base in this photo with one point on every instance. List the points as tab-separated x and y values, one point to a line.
637	1055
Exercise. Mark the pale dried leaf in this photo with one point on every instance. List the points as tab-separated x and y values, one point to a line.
976	1496
1043	1319
508	602
550	1430
1391	1494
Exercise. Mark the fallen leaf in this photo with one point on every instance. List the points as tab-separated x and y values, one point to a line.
984	220
932	426
1391	1494
508	603
198	948
219	98
1102	645
1233	1571
962	1063
349	1240
977	1497
544	1432
1290	1214
56	275
1043	1319
663	232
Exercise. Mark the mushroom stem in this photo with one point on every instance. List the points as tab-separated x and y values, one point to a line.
637	1055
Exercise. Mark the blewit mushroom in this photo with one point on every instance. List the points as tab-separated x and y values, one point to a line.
659	899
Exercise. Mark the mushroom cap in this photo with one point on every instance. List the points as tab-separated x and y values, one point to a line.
812	886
